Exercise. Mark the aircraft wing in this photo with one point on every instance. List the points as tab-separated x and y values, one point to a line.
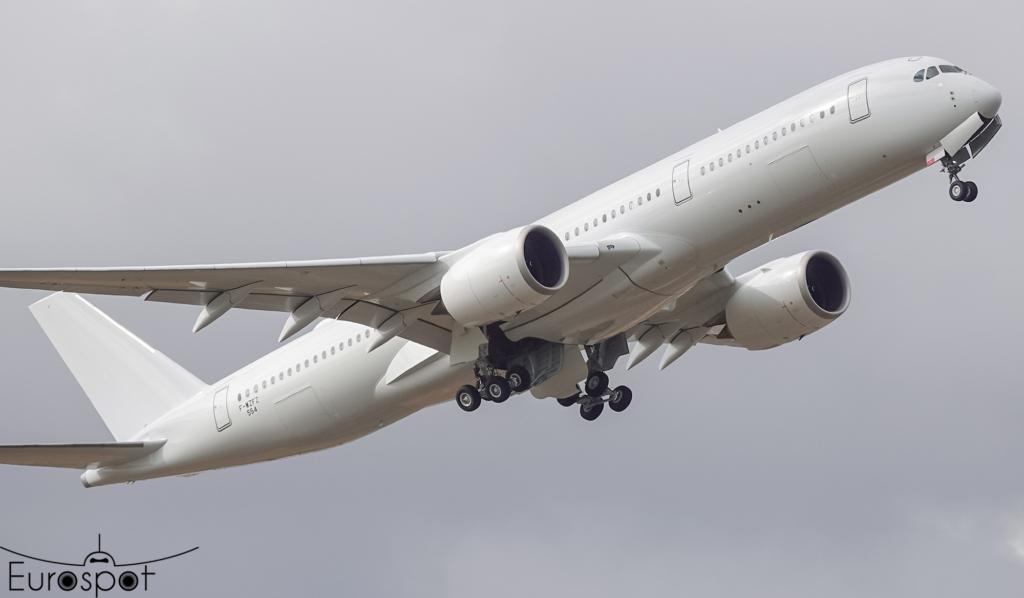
368	291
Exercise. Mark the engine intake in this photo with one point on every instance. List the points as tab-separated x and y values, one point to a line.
787	299
504	275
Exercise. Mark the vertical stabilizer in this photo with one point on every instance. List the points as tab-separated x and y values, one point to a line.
129	383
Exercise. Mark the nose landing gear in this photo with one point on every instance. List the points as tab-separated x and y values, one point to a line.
959	190
963	191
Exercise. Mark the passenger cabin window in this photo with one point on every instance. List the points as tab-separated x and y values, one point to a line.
919	76
932	72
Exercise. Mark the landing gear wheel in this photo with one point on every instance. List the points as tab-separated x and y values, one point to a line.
468	398
568	401
590	412
498	389
622	396
972	192
597	383
518	378
957	190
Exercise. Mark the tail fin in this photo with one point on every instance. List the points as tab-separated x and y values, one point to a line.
129	383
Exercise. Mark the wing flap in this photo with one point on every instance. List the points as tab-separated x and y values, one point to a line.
77	456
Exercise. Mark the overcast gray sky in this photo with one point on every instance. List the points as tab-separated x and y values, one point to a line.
880	457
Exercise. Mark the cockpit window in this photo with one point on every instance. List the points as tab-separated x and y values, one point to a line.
947	68
919	76
932	72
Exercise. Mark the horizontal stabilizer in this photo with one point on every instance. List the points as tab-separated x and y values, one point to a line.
77	456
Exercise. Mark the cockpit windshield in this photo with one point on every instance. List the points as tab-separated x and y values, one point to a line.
932	71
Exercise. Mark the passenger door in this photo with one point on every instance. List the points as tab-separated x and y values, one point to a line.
681	182
857	99
221	417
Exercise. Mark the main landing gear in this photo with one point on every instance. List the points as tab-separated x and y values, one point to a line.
492	386
596	394
959	190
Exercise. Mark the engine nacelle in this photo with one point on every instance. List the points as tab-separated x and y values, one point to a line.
506	274
787	299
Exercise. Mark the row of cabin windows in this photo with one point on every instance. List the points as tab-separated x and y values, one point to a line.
622	210
931	71
299	366
757	144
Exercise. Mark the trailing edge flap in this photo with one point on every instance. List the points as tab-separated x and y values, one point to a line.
77	456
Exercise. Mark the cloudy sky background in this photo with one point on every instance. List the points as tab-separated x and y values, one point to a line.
881	456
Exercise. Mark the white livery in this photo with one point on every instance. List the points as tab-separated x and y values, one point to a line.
547	308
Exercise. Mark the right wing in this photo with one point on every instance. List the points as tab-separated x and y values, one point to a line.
77	456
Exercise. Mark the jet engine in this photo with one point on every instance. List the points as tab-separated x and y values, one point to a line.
504	275
787	299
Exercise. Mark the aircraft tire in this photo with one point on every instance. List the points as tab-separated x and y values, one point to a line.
591	412
568	401
468	398
518	378
597	383
498	389
972	192
622	396
957	190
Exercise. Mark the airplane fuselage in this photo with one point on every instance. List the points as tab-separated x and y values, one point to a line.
755	181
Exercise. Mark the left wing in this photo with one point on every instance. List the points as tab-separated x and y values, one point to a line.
370	291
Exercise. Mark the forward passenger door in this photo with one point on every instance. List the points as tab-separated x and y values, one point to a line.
681	182
857	99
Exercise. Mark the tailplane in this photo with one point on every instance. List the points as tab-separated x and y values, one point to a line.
129	383
77	456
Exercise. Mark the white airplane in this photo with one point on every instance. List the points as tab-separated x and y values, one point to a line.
642	260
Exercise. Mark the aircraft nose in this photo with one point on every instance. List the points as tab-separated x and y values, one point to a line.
987	99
